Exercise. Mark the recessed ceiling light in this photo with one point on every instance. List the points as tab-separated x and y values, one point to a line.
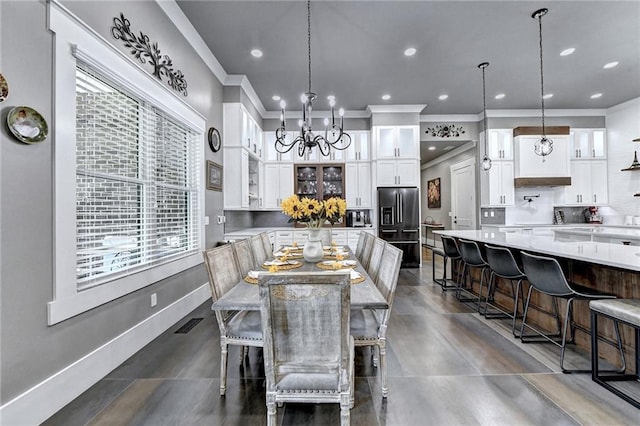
410	51
567	52
596	95
610	65
443	97
386	97
256	53
431	148
500	96
547	96
275	97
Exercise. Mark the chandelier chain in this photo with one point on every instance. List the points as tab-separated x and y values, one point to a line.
309	39
484	108
541	74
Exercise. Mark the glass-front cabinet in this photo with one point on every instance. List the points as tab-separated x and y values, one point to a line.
319	181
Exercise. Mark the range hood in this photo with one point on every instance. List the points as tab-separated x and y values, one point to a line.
530	169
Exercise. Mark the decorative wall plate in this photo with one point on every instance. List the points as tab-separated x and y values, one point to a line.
214	139
4	88
27	125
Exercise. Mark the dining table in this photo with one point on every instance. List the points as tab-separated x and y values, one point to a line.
364	293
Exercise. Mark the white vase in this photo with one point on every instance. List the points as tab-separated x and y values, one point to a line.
312	251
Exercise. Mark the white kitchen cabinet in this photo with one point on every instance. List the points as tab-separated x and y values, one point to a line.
236	178
588	144
397	142
278	184
271	154
283	238
398	172
500	144
358	185
360	148
240	129
339	236
497	185
256	184
588	183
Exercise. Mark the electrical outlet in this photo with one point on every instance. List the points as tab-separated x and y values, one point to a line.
206	220
154	299
486	214
492	213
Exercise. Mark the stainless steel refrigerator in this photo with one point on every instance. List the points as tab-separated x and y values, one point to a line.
399	221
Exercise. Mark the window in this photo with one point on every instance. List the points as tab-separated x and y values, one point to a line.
128	175
136	182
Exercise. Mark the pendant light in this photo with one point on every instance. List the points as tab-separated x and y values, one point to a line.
543	146
485	164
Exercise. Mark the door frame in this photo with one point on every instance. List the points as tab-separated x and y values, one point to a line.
470	162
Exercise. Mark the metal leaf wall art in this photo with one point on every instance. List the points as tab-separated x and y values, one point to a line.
445	131
144	50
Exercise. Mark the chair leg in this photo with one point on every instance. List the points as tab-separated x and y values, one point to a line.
383	368
223	368
345	413
486	299
271	410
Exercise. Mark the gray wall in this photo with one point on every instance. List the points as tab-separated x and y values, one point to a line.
31	350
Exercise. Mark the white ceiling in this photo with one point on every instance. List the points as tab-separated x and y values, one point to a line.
357	51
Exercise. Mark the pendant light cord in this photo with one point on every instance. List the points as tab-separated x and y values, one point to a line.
309	39
484	108
544	134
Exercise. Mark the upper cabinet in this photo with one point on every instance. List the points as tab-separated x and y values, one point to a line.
588	144
397	142
360	147
278	184
500	144
240	129
530	165
271	154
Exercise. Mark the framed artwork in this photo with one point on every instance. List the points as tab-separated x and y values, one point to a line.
214	176
433	193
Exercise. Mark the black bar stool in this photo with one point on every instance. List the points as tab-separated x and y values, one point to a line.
451	252
472	258
545	276
503	265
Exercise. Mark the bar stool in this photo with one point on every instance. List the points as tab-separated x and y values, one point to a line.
545	276
503	265
471	258
450	252
626	311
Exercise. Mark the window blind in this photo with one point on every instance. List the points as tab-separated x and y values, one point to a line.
137	171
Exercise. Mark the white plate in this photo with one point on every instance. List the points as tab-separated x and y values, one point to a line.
279	263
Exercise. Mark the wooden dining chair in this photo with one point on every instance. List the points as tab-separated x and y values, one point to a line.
365	258
244	256
266	242
308	352
369	326
236	327
376	255
259	253
362	237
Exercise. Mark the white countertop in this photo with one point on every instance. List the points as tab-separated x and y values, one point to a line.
604	231
615	255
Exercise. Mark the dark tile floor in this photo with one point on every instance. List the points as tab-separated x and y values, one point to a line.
447	366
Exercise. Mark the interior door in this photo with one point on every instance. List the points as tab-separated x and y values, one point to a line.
463	195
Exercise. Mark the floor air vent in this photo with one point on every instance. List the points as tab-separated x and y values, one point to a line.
188	326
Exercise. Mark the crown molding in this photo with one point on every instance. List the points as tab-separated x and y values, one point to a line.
461	118
376	109
547	112
315	114
244	83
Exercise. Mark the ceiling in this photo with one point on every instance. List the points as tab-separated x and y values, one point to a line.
357	51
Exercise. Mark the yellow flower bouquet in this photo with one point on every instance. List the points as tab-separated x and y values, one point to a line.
312	212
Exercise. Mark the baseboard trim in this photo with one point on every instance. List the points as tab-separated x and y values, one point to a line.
47	397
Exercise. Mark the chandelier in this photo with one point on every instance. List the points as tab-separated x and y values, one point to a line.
543	146
334	136
486	161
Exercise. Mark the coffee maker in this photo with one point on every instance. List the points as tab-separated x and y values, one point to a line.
591	215
357	218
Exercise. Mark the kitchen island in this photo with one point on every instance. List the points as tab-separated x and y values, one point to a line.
608	267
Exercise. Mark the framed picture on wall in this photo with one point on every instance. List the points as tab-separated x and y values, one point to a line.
433	193
214	176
